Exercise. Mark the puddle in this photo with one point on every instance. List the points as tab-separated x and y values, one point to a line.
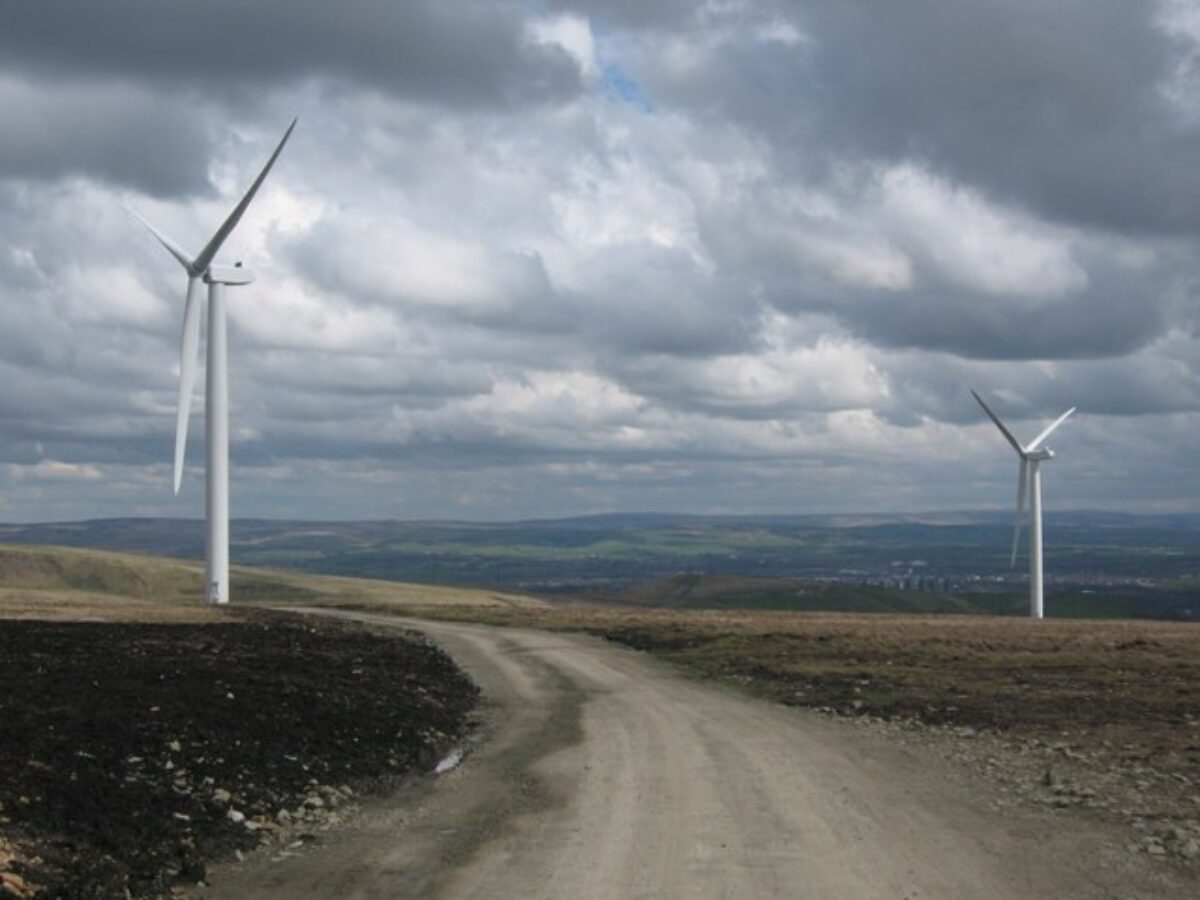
450	762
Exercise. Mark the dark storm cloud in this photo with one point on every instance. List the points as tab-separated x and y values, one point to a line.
1111	320
469	52
1058	106
925	387
113	133
125	92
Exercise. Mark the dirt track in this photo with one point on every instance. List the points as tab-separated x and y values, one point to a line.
603	774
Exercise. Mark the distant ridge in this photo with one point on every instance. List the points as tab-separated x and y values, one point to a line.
1110	563
832	520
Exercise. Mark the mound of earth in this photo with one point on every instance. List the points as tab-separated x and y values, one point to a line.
133	753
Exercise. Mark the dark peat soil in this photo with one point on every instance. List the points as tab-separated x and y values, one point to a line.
130	752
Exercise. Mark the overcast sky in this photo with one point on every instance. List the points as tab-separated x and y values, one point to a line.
544	258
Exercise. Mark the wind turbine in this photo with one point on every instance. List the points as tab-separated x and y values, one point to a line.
200	268
1032	456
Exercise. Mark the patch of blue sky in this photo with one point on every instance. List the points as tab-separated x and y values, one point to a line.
615	83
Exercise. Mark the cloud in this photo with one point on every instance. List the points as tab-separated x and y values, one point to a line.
469	53
52	470
972	245
780	376
123	134
402	265
572	34
1061	107
579	256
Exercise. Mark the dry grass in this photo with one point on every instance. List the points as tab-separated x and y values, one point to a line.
394	596
69	583
1132	687
83	606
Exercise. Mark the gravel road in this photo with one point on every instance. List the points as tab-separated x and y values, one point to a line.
600	773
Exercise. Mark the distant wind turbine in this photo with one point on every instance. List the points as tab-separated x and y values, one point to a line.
1031	456
216	392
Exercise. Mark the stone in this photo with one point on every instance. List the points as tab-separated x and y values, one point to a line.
222	796
236	816
13	885
283	817
1154	846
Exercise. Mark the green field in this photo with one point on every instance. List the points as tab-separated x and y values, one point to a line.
1098	565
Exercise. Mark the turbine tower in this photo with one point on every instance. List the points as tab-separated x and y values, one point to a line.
200	268
1030	478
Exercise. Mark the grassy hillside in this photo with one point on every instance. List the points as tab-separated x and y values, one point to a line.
39	582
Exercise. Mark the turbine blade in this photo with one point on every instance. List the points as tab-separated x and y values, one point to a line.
1037	441
173	248
1004	431
205	257
1022	480
189	347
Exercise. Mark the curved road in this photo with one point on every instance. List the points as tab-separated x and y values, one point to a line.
601	773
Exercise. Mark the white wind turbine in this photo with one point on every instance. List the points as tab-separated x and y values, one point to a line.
1032	456
216	391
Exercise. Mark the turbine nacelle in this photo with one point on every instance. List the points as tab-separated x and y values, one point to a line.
232	275
1040	455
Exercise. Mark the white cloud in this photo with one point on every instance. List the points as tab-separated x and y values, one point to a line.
623	203
397	262
788	373
574	35
568	408
974	244
53	470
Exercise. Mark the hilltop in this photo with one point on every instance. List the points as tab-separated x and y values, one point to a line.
71	582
